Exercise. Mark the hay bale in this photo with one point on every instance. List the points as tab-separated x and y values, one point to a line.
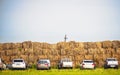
91	45
42	57
15	52
54	52
85	45
54	58
8	52
1	47
37	52
98	44
27	44
70	52
2	53
45	52
107	44
81	45
116	44
79	57
6	46
118	50
88	57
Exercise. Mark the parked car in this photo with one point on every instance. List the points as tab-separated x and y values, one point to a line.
8	66
87	64
111	63
18	64
2	65
65	63
43	64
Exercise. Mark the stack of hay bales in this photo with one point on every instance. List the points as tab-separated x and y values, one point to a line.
77	51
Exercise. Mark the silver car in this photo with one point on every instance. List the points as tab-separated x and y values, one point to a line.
43	64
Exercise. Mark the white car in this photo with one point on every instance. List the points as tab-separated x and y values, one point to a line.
65	63
2	65
87	64
111	63
18	64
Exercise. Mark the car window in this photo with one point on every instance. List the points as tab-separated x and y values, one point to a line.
88	61
18	60
66	60
111	59
42	62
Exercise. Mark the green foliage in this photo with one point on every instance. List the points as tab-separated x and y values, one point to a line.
98	71
20	49
33	66
77	66
55	67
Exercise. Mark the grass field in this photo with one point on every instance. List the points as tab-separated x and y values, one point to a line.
98	71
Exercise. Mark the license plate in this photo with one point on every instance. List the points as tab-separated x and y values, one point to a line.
67	65
112	65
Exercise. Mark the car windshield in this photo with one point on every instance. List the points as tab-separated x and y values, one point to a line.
111	59
66	60
88	61
18	60
42	62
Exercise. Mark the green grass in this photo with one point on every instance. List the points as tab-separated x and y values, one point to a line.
98	71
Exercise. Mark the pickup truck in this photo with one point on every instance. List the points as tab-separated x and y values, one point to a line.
111	63
65	63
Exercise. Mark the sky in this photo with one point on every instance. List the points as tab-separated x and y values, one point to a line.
50	20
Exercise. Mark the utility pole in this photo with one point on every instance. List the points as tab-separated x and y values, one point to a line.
65	38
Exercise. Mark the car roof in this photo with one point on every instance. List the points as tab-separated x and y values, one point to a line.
65	59
87	60
111	58
17	59
44	60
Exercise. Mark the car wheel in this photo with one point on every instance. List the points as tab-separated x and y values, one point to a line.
49	68
81	68
116	67
37	68
105	67
59	67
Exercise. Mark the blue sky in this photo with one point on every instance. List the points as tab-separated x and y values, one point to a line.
49	20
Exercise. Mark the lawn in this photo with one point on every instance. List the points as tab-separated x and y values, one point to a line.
98	71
